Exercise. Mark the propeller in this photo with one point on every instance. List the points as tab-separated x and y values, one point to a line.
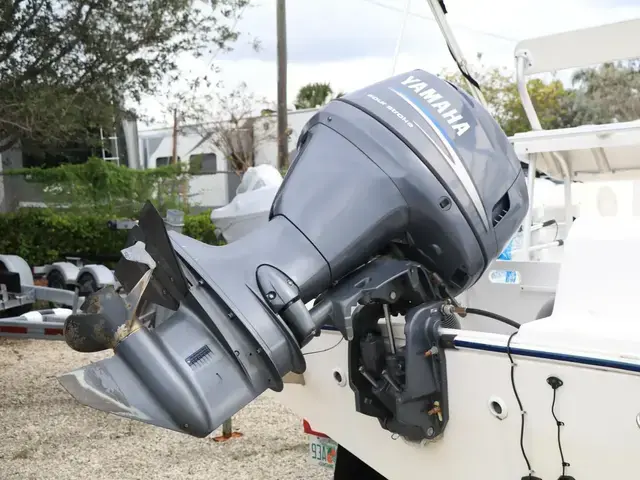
105	317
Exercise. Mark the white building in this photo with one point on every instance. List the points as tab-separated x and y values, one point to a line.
216	185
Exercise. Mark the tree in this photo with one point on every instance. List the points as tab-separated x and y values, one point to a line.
68	67
313	95
236	123
554	104
608	93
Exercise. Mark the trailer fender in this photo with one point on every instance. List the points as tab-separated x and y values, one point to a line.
96	276
16	264
67	270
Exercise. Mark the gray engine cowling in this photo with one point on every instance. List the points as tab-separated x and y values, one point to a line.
406	184
414	159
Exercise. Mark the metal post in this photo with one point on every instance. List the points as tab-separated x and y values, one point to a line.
102	139
283	139
396	52
568	205
521	63
116	147
387	319
174	138
174	220
145	148
526	225
439	15
522	60
227	429
227	432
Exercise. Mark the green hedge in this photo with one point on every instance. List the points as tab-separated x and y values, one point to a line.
42	236
99	186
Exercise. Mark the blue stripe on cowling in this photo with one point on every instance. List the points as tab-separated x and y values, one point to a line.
560	357
420	106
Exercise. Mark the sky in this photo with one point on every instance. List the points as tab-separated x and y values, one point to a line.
350	43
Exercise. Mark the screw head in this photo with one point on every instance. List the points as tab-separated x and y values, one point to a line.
393	295
430	432
445	203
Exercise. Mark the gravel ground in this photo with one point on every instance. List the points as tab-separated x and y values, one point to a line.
45	434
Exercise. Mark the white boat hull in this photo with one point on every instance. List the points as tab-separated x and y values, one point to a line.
591	343
598	405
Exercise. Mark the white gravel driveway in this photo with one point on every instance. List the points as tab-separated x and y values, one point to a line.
45	434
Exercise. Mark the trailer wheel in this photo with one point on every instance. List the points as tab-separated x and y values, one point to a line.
16	311
348	467
55	279
87	284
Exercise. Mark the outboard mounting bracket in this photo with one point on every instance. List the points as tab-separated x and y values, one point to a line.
405	387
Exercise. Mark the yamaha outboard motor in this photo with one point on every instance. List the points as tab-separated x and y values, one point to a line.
398	198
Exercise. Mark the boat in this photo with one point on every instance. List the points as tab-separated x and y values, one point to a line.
405	363
249	208
573	333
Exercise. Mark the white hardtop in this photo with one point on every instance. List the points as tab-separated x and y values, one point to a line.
589	152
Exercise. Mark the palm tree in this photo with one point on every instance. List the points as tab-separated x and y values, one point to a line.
313	95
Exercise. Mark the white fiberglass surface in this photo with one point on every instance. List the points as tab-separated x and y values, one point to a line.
598	407
588	198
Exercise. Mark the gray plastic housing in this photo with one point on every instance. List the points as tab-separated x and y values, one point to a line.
434	167
380	165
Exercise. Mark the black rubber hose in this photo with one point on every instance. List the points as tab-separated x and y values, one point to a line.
495	316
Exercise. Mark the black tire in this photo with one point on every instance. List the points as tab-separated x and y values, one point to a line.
87	284
13	312
55	279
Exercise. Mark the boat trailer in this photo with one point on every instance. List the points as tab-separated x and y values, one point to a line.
68	283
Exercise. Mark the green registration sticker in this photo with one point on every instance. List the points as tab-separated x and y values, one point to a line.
322	451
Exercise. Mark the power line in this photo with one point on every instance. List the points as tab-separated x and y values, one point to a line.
431	19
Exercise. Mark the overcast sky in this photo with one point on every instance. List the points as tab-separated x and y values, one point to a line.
350	43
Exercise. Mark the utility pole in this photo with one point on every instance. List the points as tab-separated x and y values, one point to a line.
174	146
184	184
283	139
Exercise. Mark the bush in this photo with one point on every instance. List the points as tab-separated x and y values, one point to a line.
110	189
200	227
42	236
